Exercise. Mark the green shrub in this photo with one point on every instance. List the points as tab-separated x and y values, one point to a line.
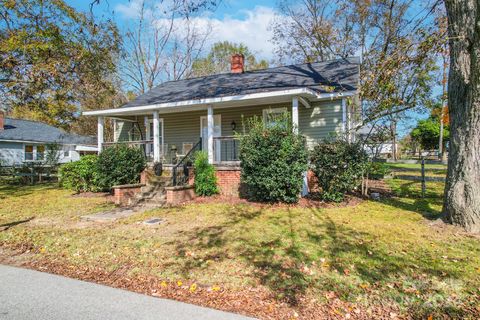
205	179
120	164
80	175
339	167
273	160
377	170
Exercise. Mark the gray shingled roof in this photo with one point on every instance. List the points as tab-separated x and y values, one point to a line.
26	130
341	74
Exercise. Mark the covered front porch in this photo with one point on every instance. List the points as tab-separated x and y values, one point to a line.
167	133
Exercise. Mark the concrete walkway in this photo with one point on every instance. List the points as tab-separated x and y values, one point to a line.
28	294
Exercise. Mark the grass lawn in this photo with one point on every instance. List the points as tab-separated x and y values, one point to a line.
376	259
435	170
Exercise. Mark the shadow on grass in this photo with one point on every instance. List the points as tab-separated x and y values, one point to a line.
403	189
19	190
287	261
422	206
6	226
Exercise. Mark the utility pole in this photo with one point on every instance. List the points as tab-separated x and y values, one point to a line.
445	56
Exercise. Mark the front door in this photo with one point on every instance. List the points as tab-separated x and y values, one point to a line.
149	136
217	132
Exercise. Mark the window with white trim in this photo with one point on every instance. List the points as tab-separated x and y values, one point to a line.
273	116
40	155
28	151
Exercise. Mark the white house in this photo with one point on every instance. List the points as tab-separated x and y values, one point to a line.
23	141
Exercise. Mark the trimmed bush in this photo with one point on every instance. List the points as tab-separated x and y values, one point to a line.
339	167
205	178
120	164
273	161
81	175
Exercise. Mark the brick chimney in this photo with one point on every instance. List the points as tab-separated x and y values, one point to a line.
237	63
2	120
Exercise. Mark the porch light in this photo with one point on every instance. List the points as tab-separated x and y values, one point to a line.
234	125
173	148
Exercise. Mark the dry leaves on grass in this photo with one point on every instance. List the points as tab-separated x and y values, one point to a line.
256	302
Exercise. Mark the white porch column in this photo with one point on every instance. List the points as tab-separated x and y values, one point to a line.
100	123
344	118
156	137
295	114
210	125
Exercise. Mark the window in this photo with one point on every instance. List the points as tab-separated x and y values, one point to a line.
28	153
273	116
40	153
66	153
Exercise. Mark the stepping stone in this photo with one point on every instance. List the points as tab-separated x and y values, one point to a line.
153	221
110	215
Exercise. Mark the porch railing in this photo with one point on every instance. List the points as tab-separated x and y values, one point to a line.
181	178
226	149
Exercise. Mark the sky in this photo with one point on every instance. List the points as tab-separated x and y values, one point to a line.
245	21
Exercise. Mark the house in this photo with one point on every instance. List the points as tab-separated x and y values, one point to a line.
322	99
377	141
24	141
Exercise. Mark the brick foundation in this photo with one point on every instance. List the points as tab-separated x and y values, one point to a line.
178	195
123	194
228	181
312	181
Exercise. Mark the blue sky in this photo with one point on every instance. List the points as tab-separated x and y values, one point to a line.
243	21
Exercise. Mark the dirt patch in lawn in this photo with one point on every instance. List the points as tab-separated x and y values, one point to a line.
256	302
106	195
17	258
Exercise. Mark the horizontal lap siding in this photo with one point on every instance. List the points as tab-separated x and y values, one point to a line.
11	153
320	121
316	123
182	127
241	115
125	127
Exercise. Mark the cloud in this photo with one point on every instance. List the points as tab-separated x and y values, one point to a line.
250	27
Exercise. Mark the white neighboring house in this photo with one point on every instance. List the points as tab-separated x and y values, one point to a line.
23	141
376	143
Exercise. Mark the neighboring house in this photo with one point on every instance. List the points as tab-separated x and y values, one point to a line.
23	141
376	142
322	99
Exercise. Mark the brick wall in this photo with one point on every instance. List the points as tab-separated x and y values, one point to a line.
178	195
312	181
228	181
123	195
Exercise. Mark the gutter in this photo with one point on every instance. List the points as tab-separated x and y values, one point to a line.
210	101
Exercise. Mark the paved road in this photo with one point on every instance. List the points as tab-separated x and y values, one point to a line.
28	294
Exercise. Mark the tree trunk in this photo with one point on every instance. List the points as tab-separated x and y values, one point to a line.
393	133
462	191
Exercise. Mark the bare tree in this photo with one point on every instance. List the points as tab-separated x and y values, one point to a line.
163	42
462	191
311	30
188	44
397	40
